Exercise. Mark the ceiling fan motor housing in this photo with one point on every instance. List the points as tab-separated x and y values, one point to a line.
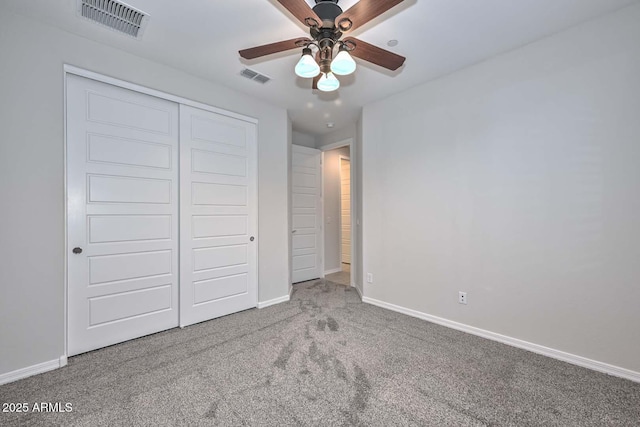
328	11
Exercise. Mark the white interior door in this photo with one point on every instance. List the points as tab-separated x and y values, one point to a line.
345	210
122	207
306	214
218	210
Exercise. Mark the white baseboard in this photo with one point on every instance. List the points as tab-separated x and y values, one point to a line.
274	301
29	371
595	365
334	270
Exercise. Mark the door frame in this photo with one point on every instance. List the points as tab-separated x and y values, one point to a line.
349	142
81	72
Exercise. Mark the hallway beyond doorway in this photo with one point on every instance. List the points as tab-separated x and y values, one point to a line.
341	277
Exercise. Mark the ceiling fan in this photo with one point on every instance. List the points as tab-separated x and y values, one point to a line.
327	24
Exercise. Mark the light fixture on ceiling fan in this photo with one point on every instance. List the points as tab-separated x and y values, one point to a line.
342	65
327	23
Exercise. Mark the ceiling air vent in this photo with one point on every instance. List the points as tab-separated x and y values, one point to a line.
114	14
255	76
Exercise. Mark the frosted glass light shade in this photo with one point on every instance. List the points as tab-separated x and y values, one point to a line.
328	83
307	67
343	64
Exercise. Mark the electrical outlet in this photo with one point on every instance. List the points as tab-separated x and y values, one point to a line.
369	278
462	297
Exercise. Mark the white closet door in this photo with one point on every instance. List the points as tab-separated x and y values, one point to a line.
218	210
122	174
306	214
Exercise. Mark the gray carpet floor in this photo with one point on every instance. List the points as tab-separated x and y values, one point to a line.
325	359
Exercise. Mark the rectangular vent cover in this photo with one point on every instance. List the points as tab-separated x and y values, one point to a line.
116	15
255	76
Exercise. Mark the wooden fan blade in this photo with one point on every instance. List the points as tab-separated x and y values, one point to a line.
376	55
268	49
301	10
364	11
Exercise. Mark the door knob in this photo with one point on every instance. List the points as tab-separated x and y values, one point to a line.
77	250
294	231
252	238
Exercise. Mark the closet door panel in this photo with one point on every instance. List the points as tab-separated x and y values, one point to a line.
218	211
122	209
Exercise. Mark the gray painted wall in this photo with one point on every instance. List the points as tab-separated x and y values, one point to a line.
356	229
290	137
32	172
304	139
336	136
517	181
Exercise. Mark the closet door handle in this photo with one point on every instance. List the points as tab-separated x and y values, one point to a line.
252	238
77	251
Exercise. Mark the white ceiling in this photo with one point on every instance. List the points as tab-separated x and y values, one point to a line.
202	37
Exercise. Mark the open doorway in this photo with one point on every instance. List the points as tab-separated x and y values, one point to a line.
345	216
337	213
